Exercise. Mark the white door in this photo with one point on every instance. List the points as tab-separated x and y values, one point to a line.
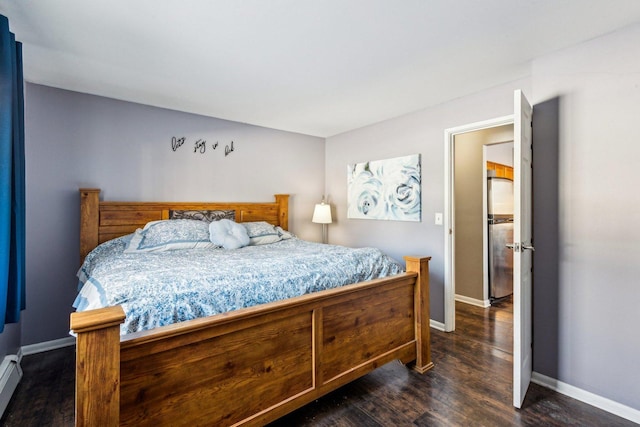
522	260
523	248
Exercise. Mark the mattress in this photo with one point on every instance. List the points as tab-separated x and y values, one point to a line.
161	288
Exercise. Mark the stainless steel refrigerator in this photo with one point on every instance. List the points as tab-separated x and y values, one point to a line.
500	227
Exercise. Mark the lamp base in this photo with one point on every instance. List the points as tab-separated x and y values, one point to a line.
324	233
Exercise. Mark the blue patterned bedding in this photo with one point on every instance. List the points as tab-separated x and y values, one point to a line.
161	288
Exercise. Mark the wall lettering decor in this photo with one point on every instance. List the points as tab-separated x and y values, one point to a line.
228	150
199	146
177	142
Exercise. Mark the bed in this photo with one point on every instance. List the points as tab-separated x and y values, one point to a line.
247	366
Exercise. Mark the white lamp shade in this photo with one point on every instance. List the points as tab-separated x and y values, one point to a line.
322	214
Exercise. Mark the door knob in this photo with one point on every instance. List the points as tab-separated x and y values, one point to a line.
517	247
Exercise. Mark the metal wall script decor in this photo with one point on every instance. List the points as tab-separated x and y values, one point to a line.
385	189
200	145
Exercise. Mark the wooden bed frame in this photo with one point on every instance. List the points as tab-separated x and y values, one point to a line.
246	367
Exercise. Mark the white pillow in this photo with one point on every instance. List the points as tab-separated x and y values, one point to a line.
166	235
228	234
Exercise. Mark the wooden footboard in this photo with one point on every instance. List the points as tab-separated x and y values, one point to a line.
253	365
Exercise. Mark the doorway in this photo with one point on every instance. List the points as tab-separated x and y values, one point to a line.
500	129
472	152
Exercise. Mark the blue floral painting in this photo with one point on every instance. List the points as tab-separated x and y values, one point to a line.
385	189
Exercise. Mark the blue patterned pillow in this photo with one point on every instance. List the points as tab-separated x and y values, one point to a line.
166	235
284	234
261	233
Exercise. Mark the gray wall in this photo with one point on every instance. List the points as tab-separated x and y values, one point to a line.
421	132
10	340
593	344
77	140
586	303
546	229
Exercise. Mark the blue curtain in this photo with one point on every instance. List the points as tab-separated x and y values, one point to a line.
12	198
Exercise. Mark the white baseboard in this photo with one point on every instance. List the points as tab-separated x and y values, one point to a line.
48	345
603	403
10	375
436	325
472	301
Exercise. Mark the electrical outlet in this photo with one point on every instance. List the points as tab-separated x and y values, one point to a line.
438	218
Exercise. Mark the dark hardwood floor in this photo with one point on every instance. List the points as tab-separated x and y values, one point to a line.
469	386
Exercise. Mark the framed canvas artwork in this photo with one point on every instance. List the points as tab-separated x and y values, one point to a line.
385	189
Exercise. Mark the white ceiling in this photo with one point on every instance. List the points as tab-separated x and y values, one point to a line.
318	67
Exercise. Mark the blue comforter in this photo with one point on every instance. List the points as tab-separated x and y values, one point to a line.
162	288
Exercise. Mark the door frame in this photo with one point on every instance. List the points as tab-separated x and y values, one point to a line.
449	212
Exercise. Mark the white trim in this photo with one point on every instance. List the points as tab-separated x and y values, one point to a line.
10	376
473	301
592	399
449	242
485	228
48	345
449	209
436	325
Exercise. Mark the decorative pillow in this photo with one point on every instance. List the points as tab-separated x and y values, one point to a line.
166	235
284	234
228	234
204	215
261	233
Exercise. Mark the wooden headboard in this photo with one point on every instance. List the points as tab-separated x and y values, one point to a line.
101	221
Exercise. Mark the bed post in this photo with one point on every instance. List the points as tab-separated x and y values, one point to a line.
89	219
283	210
98	366
421	309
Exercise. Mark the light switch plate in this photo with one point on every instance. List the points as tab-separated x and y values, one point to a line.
438	218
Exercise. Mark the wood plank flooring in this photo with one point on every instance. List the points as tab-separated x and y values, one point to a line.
469	386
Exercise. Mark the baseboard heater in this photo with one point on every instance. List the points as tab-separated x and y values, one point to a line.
10	375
